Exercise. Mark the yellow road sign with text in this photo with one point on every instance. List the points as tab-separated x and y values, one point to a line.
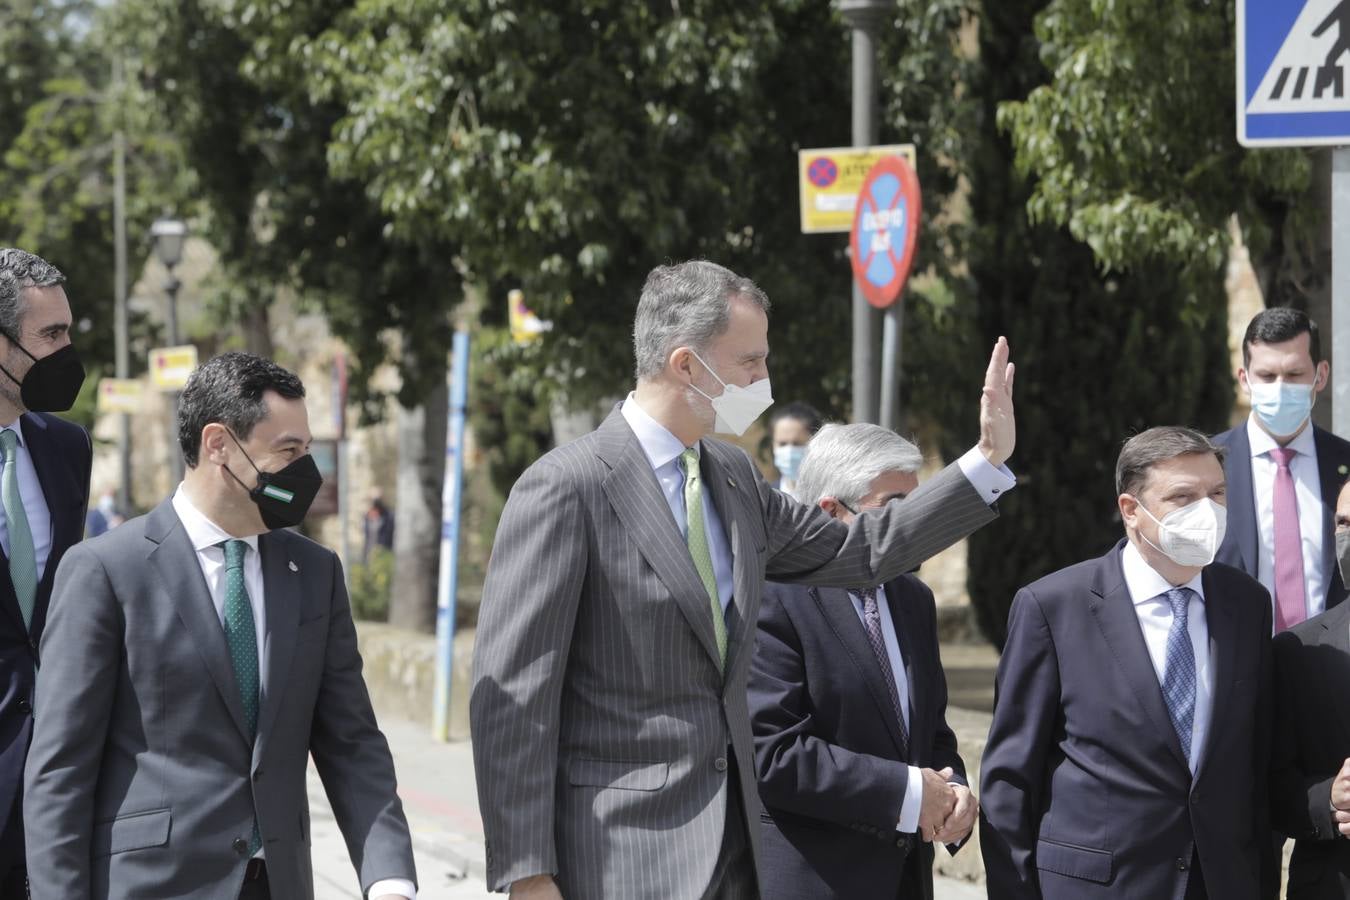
171	366
830	179
120	395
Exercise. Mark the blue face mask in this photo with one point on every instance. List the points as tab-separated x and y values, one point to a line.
1281	406
787	459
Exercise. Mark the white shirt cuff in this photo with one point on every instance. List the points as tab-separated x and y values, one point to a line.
399	886
989	481
909	809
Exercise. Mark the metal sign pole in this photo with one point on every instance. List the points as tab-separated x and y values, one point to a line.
890	366
451	493
864	18
1340	289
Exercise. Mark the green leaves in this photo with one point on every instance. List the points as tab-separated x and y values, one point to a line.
1131	145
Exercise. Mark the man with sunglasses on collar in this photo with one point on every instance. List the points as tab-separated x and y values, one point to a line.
44	489
197	657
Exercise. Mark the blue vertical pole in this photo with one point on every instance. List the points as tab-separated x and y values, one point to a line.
450	507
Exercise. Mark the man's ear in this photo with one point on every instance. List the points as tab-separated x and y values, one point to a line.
1323	376
830	505
681	362
1129	508
215	440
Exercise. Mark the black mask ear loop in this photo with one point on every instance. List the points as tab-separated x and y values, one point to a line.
250	490
21	347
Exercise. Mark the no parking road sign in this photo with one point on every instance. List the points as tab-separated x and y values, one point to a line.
885	230
1292	60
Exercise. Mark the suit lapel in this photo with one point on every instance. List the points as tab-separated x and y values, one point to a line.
723	490
281	603
175	560
1112	607
839	613
1335	632
916	669
1223	637
59	491
1242	498
636	498
1329	479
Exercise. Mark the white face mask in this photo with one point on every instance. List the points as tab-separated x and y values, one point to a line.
787	459
737	407
1191	535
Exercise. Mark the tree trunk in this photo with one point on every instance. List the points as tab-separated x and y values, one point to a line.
417	515
258	332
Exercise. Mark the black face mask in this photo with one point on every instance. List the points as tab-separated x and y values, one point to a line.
53	382
283	497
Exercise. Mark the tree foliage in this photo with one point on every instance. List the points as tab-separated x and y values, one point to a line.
1131	142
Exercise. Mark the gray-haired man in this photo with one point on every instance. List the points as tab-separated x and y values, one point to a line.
44	486
857	767
611	735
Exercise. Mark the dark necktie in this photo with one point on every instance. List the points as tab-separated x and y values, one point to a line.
242	638
872	625
1179	679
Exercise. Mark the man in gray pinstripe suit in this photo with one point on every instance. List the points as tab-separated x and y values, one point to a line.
610	727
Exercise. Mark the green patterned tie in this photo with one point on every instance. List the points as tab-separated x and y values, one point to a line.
22	558
697	538
243	643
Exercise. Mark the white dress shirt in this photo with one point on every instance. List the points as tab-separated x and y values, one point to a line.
913	802
1307	493
34	504
1147	589
206	537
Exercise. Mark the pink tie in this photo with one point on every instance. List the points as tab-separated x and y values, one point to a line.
1290	605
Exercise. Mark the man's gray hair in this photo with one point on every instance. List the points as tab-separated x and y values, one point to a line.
1148	448
842	461
20	269
686	305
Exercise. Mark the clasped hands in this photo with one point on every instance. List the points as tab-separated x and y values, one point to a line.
1340	799
948	811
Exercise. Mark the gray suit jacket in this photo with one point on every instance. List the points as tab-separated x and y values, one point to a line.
142	782
601	717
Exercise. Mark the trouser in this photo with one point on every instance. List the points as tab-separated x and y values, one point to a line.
734	875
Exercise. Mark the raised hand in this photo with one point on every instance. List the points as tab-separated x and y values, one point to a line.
998	430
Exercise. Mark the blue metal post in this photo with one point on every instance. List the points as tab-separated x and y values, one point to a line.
450	508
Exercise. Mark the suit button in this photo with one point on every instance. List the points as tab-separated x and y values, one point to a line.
240	846
1181	864
25	706
720	764
901	843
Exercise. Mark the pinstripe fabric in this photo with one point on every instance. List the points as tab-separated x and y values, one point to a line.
600	715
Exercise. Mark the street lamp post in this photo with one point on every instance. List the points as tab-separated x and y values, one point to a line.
169	234
865	18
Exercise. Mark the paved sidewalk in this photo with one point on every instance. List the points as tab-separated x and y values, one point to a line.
440	798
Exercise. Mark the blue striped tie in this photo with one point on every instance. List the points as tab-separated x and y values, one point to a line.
1179	680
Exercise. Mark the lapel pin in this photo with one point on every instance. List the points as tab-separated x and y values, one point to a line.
731	481
293	566
1342	470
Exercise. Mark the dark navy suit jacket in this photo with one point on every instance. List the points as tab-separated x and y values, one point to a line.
62	455
827	744
1312	740
1241	542
1086	793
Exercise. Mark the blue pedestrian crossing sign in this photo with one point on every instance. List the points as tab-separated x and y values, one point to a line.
1293	61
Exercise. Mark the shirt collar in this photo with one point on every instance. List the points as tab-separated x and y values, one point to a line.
661	446
1143	581
1263	443
201	531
